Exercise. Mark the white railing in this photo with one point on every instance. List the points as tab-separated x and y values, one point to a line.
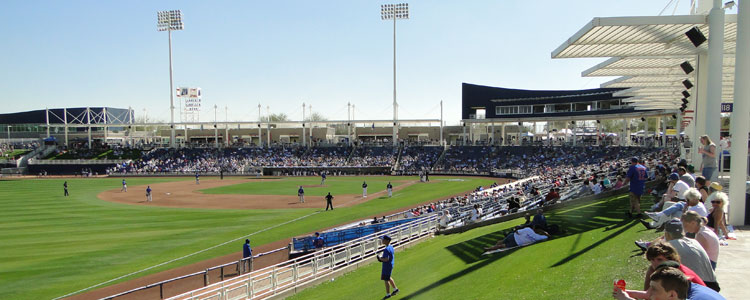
292	274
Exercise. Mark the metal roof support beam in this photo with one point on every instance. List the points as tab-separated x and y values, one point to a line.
715	66
741	119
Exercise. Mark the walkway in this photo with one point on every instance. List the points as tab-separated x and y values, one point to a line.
733	268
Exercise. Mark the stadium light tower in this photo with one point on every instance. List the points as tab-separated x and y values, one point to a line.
394	12
169	20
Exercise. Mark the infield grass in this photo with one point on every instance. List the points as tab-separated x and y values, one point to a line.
580	264
52	245
289	185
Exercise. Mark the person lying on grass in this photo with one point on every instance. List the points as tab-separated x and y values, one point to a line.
520	237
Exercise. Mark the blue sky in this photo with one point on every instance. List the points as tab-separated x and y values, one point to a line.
283	53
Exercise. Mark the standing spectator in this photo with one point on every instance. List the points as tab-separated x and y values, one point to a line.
124	186
148	193
389	187
318	241
301	194
692	222
329	201
708	164
636	176
322	178
691	253
65	187
388	260
247	255
364	189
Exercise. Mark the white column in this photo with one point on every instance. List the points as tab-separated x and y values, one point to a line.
628	140
679	130
598	133
700	112
104	112
349	122
623	134
88	122
65	120
739	126
664	131
715	67
502	133
492	133
46	110
575	138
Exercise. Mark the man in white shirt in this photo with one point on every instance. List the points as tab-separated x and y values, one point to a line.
522	237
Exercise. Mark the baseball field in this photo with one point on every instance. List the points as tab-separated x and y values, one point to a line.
580	264
52	245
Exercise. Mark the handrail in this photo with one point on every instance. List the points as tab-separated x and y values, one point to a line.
306	269
204	272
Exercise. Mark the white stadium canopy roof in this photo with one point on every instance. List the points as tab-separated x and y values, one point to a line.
647	52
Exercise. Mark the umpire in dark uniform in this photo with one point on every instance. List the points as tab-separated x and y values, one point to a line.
329	199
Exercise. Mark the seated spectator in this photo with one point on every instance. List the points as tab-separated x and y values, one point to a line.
444	219
691	253
318	241
552	197
716	218
700	184
619	183
374	220
597	188
519	238
692	222
676	210
540	221
668	282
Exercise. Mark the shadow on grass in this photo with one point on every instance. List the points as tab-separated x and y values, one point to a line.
608	214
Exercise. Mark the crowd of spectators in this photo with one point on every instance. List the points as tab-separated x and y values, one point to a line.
14	150
418	158
374	156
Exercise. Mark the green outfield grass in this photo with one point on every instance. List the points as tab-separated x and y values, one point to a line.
52	245
289	186
581	264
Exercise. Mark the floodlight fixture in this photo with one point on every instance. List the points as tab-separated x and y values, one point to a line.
169	20
643	119
729	5
688	85
686	94
397	11
674	116
687	67
684	101
695	36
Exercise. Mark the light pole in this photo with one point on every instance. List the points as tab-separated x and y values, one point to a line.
394	12
260	134
216	129
8	134
167	21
